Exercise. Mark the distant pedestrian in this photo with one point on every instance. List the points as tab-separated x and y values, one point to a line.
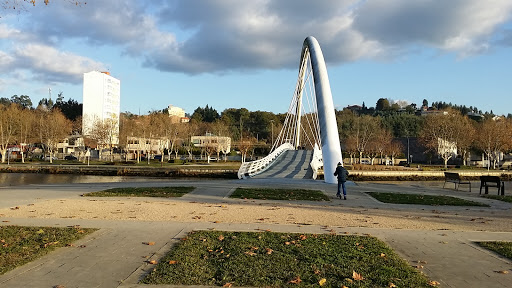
342	174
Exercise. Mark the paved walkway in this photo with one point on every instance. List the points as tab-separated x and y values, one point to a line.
115	255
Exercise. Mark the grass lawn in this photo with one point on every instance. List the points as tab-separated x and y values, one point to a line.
283	260
165	192
279	194
20	245
399	198
506	198
502	248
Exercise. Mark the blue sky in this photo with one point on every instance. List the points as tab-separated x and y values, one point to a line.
234	54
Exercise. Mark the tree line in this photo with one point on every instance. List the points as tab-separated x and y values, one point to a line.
369	132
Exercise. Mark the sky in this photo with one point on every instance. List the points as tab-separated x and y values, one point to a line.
245	54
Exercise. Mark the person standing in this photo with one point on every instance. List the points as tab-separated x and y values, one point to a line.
342	174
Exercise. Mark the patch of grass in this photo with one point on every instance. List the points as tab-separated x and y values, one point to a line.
279	194
283	260
165	192
434	200
20	245
506	198
502	248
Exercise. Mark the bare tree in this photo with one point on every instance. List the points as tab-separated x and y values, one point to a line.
494	136
245	145
439	134
9	127
383	139
394	149
364	132
54	127
105	133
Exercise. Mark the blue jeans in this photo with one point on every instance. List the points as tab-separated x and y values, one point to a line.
341	185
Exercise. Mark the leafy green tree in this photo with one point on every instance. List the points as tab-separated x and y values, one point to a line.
382	105
23	100
71	108
206	114
403	125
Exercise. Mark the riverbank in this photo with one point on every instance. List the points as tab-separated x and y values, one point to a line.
230	170
205	171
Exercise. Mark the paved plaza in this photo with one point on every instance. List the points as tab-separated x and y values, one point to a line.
440	238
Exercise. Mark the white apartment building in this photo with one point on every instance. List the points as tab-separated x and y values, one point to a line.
101	101
176	111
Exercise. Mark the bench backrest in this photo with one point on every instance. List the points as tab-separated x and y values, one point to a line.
451	175
490	179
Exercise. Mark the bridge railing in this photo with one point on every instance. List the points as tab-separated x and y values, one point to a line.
249	169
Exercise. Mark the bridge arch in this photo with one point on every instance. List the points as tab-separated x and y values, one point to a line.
330	141
325	141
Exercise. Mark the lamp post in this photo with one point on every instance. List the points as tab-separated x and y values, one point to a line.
272	123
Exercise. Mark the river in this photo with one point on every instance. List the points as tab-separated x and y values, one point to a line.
16	179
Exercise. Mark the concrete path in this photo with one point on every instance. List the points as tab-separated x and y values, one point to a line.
115	255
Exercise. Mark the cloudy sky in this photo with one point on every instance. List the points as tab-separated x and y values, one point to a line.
233	54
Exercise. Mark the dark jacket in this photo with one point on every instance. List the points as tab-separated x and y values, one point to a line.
342	173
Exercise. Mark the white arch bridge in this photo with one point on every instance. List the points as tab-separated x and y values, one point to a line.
309	138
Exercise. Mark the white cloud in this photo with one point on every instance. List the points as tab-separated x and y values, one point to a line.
460	26
49	64
221	36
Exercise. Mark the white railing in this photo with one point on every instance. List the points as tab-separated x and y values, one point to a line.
249	169
317	161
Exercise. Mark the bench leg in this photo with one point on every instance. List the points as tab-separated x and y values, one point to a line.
486	190
502	189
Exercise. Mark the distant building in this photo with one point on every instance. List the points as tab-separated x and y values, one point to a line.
101	101
217	143
177	114
176	111
433	112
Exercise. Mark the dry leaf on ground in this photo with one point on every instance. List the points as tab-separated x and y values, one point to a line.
356	276
297	280
322	281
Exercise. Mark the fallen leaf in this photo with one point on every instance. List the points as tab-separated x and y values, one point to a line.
297	280
391	285
172	262
382	255
152	262
433	283
303	237
286	243
322	281
227	285
349	280
269	251
58	286
356	276
250	253
221	237
149	243
502	272
40	231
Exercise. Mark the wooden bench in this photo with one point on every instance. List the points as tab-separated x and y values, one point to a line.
492	181
455	178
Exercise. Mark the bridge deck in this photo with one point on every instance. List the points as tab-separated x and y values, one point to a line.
292	164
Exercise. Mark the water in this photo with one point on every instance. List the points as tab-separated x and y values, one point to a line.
16	179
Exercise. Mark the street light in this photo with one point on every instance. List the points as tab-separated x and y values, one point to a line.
272	123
